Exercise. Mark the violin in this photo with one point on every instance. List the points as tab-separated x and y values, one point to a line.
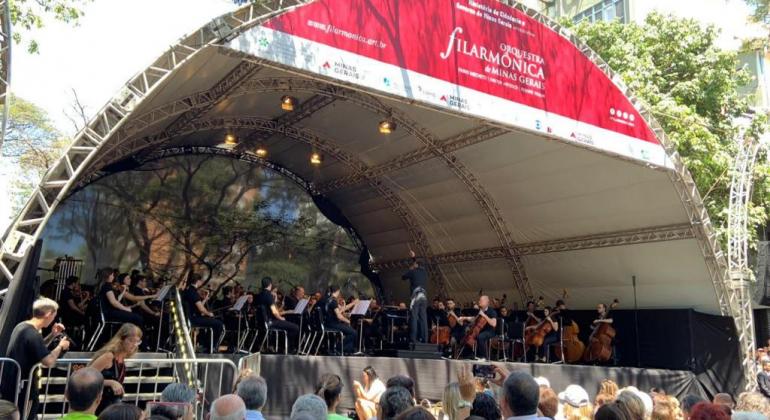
599	347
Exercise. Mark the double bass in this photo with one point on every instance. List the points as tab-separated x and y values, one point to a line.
599	347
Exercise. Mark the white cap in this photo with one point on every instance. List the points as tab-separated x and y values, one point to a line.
543	381
574	395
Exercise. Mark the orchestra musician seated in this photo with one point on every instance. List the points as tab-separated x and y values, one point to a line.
73	303
265	301
112	308
545	332
486	316
197	312
335	319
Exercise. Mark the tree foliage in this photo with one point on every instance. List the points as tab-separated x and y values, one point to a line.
30	15
761	9
691	86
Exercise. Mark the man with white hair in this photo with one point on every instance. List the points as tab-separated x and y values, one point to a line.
309	405
253	391
763	378
228	407
28	348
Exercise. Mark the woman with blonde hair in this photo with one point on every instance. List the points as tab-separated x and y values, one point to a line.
368	394
453	404
111	361
575	404
608	387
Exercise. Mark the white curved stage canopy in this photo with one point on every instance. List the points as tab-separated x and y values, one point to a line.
518	163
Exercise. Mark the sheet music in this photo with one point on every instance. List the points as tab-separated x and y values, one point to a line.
163	292
361	307
301	305
239	303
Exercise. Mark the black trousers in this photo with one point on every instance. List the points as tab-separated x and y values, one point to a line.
482	341
418	321
216	326
292	331
351	336
116	315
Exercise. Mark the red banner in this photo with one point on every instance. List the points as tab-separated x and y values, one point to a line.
477	44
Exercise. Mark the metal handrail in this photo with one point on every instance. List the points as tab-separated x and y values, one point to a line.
199	386
3	361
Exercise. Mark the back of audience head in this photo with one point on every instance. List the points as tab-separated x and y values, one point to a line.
309	405
402	381
708	411
329	388
602	399
227	407
121	411
724	399
753	402
394	401
615	410
253	391
688	402
8	411
521	395
484	405
84	389
416	413
633	404
183	398
451	399
576	403
608	387
549	402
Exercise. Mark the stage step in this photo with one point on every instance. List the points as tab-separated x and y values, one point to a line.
421	351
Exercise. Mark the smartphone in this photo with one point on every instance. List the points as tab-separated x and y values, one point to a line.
484	371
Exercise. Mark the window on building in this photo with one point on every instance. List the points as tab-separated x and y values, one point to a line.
606	10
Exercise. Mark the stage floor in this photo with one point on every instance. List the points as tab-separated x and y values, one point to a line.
291	376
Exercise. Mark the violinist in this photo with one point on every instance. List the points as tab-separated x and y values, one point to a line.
73	303
490	316
335	319
198	314
292	299
266	306
109	299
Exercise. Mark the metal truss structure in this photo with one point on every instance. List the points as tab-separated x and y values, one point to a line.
740	277
628	237
5	63
108	138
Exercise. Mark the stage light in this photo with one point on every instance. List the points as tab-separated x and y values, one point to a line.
288	103
316	159
387	126
261	152
230	141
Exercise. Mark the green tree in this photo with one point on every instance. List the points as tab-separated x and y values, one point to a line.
32	144
30	15
761	9
691	86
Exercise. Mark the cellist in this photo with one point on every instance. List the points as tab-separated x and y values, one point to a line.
550	328
490	316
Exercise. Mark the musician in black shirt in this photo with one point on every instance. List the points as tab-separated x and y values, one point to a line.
197	312
490	315
335	320
265	302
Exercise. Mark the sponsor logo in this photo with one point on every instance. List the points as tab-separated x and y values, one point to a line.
326	65
346	70
428	93
581	137
622	117
454	101
263	43
538	124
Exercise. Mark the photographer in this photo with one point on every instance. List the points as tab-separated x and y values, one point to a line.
28	347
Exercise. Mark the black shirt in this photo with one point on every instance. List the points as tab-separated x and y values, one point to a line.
64	307
265	300
330	305
417	277
290	302
103	300
491	313
28	349
190	297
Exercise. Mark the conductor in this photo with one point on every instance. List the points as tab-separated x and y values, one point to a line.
418	284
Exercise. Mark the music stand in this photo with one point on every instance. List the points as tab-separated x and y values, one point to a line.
238	307
360	309
162	294
301	305
299	310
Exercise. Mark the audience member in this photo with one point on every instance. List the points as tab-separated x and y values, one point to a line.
368	394
84	393
725	400
416	413
520	395
309	405
753	402
643	397
394	401
608	387
688	402
543	382
763	377
28	348
253	392
453	404
329	388
484	405
402	381
633	404
602	399
122	411
549	402
179	402
708	411
575	403
615	410
8	411
227	407
666	407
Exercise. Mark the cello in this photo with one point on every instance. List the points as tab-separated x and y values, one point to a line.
599	347
537	335
472	335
